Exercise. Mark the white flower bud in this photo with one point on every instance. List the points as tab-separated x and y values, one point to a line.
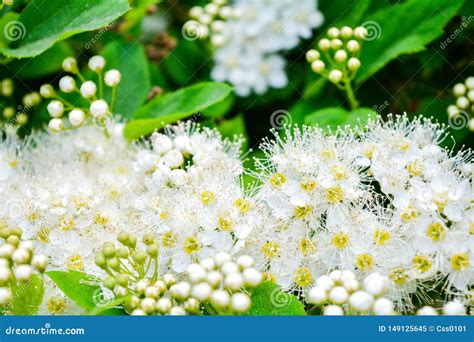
70	65
5	295
180	291
333	32
353	64
229	267
218	40
471	125
88	89
317	296
141	286
99	108
222	257
6	251
312	55
21	256
112	77
148	305
427	311
353	46
214	278
138	312
361	300
240	302
177	311
39	262
454	308
46	91
23	272
201	291
360	32
211	8
56	125
76	117
469	82
169	279
459	90
325	282
205	19
196	273
462	102
233	281
383	307
173	159
55	108
161	143
470	95
67	84
120	291
28	245
335	76
452	111
220	299
226	12
178	177
351	285
183	144
346	32
375	284
5	275
163	305
317	66
324	44
245	261
252	277
340	56
338	295
96	63
152	292
208	264
347	275
195	12
218	26
333	310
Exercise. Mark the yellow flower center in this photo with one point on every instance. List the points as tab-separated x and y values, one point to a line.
33	216
415	168
441	201
471	228
56	305
399	276
436	232
75	263
207	197
169	239
271	249
369	151
80	202
409	213
191	245
307	246
364	262
308	185
43	234
101	219
303	276
66	222
327	154
334	194
224	223
340	240
243	206
381	237
460	261
277	180
422	263
302	212
267	276
339	172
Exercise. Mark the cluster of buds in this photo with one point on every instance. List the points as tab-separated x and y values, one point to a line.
464	107
223	283
17	262
452	308
209	21
18	116
338	56
341	293
98	108
6	3
6	87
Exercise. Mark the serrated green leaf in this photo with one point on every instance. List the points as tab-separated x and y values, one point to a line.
27	297
80	287
131	61
269	300
175	106
423	21
42	23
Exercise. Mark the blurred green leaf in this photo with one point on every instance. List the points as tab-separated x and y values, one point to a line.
167	109
27	297
131	61
404	28
269	300
221	108
343	12
5	22
42	23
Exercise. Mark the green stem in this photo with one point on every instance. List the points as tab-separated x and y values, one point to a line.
350	94
101	85
112	102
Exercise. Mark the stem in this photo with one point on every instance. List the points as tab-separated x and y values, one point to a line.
101	85
350	94
112	102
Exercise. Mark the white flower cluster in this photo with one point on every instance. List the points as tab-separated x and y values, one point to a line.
462	113
98	108
341	293
452	308
385	199
249	36
18	261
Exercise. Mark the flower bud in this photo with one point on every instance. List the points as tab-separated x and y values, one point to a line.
88	89
220	299
317	66
76	117
8	113
353	64
340	56
139	257
336	44
233	281
177	311
148	305
338	295
333	32
335	76
360	32
70	65
46	91
252	277
5	295
99	108
324	44
191	306
462	102
67	84
361	300
312	55
333	310
55	108
163	305
201	291
459	90
109	282
245	261
112	77
23	273
56	125
240	302
353	46
96	63
346	32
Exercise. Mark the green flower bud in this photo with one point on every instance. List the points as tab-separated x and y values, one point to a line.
13	240
191	306
148	239
132	303
152	250
109	251
109	282
114	264
16	231
122	279
100	260
132	241
123	237
5	232
139	257
122	252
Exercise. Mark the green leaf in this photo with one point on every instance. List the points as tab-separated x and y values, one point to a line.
131	61
7	23
110	309
47	63
80	287
343	12
329	119
423	21
175	106
42	23
269	300
27	297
